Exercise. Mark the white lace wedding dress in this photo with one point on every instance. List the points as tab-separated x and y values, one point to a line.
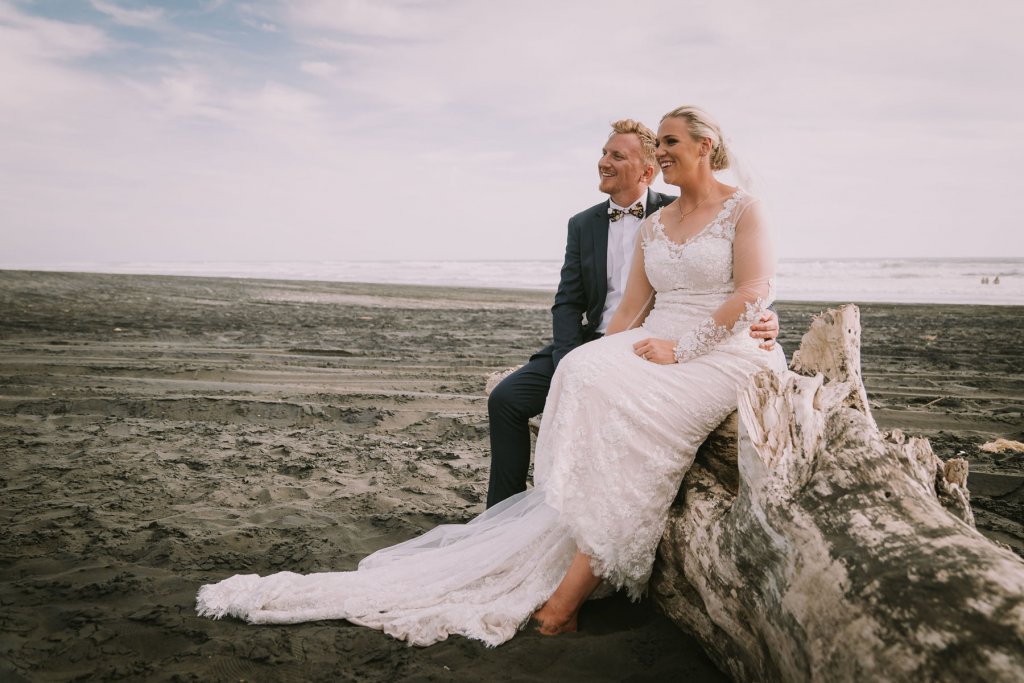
618	434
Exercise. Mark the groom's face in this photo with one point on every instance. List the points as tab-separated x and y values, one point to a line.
622	168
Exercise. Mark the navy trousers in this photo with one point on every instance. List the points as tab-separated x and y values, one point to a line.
510	406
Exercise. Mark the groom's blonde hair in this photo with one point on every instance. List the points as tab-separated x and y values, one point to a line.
647	137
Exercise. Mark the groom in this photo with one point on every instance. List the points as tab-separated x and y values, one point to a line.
598	253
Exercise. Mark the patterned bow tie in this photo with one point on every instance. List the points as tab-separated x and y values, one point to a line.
615	214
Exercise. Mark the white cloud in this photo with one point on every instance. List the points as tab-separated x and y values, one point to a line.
35	86
322	69
214	146
31	37
257	17
377	18
145	17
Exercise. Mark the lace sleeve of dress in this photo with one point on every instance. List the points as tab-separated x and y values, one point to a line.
753	270
646	232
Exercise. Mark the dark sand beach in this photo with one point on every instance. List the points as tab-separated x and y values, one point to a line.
159	433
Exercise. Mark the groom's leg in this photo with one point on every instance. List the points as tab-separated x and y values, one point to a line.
510	406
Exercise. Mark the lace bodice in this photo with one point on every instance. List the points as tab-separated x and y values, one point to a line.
707	288
702	264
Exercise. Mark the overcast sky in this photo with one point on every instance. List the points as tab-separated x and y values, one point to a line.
419	129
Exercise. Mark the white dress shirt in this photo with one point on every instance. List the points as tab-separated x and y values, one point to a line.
621	241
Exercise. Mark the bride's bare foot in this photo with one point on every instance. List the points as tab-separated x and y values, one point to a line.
552	621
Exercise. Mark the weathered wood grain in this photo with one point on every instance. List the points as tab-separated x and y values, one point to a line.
813	547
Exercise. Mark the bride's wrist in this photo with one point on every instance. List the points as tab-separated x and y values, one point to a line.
706	336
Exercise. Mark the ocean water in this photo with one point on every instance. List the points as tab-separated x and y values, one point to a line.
896	280
946	281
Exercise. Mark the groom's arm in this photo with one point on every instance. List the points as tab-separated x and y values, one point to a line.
570	299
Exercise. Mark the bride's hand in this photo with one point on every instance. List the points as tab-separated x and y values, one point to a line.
661	351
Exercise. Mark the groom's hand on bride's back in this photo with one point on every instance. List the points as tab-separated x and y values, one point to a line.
766	329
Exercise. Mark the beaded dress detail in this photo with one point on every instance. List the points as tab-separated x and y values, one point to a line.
617	437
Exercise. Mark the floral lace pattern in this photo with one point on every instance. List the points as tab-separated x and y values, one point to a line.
708	334
617	437
704	337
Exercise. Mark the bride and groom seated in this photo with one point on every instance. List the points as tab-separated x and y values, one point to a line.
598	252
660	316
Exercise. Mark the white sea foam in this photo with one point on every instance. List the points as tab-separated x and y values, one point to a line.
951	281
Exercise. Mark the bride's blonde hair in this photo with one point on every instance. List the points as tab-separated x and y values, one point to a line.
701	126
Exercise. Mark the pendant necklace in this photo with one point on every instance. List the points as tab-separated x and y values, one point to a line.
695	206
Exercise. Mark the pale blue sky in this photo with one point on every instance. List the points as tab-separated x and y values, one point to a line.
217	130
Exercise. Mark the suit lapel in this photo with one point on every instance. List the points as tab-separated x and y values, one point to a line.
655	200
600	233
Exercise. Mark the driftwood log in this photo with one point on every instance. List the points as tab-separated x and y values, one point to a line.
805	545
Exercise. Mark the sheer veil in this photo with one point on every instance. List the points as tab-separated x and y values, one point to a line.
741	173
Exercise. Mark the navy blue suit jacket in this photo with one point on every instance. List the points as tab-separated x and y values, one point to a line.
583	286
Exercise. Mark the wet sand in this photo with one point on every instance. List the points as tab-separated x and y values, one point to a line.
159	433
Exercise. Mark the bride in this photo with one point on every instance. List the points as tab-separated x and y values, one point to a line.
622	423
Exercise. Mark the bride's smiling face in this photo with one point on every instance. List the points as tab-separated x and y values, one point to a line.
678	153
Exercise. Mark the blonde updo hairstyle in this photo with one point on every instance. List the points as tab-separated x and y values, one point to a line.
701	126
